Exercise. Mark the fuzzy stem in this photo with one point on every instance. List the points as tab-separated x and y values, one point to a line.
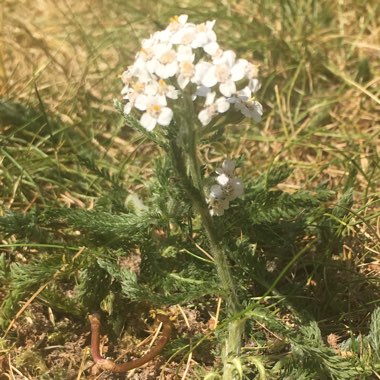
235	328
193	161
191	143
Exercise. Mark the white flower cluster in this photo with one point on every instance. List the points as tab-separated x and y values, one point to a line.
228	188
186	56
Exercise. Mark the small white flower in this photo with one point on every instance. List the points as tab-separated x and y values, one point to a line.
161	88
224	70
216	192
156	111
164	63
131	93
201	70
204	35
251	108
228	188
233	188
184	35
212	108
185	57
217	201
196	36
218	206
247	105
177	22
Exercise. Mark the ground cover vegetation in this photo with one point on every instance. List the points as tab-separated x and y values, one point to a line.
98	214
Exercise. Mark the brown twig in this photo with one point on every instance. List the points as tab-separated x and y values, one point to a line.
110	365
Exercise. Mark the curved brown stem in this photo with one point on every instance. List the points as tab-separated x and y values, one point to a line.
110	365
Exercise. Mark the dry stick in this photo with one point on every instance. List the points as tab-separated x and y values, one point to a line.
110	365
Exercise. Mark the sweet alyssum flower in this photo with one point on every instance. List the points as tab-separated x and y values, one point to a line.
185	59
227	189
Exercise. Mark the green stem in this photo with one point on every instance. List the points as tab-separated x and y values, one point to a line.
193	160
235	328
191	142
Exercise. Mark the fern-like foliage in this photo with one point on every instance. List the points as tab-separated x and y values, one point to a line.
165	288
308	357
309	352
374	334
24	226
24	280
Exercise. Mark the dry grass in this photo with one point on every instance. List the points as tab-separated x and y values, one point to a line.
320	64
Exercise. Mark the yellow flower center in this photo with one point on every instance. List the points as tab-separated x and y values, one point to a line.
222	73
154	109
138	87
187	69
168	57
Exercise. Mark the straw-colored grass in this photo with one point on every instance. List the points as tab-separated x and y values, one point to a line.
320	68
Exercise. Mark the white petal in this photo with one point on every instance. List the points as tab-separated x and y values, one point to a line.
200	70
223	179
199	40
151	88
254	85
172	93
210	97
182	81
216	191
182	19
162	100
151	65
205	116
210	24
209	78
141	102
147	121
258	111
211	48
222	105
185	53
166	71
238	70
172	68
228	167
165	116
245	93
227	58
252	110
238	187
228	88
127	108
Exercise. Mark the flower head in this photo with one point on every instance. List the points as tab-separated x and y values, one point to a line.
182	60
228	188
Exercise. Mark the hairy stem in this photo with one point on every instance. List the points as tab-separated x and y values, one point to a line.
191	143
235	328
